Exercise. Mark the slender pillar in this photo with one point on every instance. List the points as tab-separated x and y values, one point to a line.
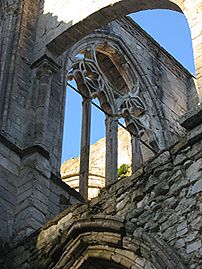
111	172
136	153
44	74
85	148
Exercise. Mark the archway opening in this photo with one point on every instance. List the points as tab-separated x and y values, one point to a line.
111	72
93	263
170	29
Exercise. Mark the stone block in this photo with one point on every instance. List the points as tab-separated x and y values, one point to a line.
197	187
195	246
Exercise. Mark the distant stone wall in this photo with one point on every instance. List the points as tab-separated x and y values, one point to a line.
70	168
162	201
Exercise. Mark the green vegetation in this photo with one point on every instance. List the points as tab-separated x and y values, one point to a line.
123	170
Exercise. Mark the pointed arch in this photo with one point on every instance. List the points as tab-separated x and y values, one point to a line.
129	69
109	239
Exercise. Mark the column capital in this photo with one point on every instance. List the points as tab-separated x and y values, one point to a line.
45	65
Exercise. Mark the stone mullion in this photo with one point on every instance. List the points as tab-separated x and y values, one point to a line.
136	153
111	172
85	148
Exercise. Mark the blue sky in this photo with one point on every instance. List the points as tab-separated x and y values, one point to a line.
171	30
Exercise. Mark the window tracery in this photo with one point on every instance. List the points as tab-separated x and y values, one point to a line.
130	106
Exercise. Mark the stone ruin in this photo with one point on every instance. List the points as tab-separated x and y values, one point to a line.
148	220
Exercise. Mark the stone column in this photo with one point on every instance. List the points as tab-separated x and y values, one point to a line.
44	74
136	153
111	172
85	148
35	168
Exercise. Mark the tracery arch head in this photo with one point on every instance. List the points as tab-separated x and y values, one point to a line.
102	69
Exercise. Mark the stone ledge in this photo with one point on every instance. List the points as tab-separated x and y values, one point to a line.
192	118
26	151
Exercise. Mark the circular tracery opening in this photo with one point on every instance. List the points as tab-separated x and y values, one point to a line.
111	73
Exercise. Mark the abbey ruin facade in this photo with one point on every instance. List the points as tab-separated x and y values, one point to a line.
149	220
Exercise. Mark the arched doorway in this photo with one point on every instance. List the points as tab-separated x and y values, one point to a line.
107	241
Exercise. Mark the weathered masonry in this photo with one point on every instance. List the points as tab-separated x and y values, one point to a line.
151	220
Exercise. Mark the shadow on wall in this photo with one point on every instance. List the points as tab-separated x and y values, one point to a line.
4	247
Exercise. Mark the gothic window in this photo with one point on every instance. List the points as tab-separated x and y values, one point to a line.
102	71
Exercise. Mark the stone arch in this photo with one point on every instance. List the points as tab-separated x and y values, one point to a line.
110	239
101	12
98	13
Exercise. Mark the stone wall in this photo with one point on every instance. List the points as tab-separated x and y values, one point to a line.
29	194
168	80
32	160
32	90
9	167
18	25
162	200
26	168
